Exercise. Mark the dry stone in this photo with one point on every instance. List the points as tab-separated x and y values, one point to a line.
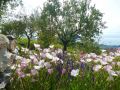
7	46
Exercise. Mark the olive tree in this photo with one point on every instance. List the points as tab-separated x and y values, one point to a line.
71	20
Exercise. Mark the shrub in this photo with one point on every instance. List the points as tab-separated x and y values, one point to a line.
22	42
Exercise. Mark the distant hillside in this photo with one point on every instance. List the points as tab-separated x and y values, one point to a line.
109	46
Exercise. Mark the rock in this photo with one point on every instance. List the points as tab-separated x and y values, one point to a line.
2	85
12	42
4	42
7	46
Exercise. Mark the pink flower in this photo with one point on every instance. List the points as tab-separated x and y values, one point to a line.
23	63
49	56
75	72
112	73
113	63
34	59
43	55
41	63
25	50
37	67
37	46
20	73
93	55
46	50
18	70
50	71
88	60
118	63
103	61
47	64
97	67
108	67
34	72
63	71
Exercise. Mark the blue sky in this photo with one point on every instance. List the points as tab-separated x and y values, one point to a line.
110	8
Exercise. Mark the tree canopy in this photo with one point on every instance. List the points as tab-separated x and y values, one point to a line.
72	19
64	22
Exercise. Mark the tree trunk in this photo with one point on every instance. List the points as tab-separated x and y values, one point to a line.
28	43
64	47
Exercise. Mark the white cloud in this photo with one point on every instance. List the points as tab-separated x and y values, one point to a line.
31	5
110	8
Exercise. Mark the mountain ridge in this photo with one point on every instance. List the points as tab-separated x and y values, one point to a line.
103	46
